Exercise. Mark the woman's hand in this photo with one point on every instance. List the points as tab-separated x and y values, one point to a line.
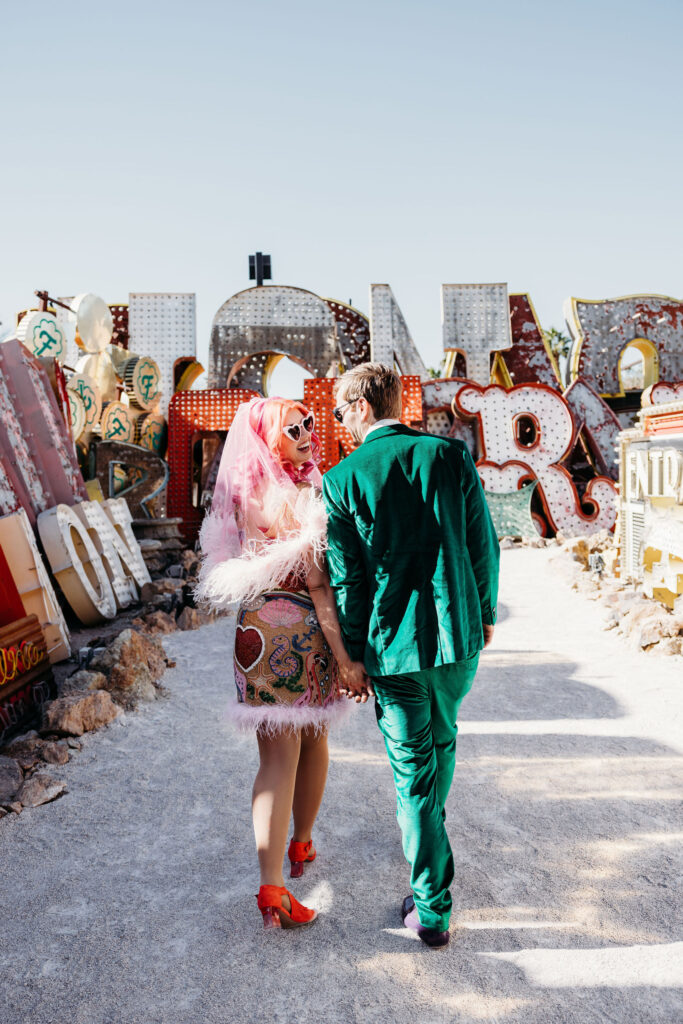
354	682
353	679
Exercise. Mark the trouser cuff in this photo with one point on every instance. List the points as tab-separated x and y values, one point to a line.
429	919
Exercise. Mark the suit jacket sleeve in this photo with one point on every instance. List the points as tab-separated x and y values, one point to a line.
482	542
346	567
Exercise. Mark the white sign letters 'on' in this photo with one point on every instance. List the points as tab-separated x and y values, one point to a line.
94	556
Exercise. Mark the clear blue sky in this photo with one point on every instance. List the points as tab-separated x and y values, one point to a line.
153	146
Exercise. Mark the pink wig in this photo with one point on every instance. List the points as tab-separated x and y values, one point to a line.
268	421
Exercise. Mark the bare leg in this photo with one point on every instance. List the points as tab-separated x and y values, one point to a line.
311	776
272	801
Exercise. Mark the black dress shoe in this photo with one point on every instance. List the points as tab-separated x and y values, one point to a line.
430	936
407	905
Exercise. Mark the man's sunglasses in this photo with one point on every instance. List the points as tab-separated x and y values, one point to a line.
337	413
294	430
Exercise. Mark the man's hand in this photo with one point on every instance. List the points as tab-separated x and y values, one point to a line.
354	682
488	634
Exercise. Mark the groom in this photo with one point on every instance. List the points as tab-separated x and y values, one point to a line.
413	561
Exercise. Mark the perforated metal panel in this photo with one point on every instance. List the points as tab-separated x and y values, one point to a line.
271	319
511	512
163	325
190	414
335	440
601	329
476	321
390	340
353	333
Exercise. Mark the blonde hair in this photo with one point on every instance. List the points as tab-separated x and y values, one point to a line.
378	384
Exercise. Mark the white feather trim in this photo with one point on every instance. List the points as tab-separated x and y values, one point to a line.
241	580
273	719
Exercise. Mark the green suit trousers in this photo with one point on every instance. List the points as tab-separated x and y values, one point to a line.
416	714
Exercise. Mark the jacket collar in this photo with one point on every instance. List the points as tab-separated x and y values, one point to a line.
391	428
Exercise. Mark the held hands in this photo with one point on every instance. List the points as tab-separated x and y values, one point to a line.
354	682
488	634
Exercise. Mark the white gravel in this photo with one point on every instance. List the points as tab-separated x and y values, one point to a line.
130	899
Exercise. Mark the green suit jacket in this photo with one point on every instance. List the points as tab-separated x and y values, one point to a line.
412	552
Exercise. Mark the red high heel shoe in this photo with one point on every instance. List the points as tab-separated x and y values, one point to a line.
275	915
300	854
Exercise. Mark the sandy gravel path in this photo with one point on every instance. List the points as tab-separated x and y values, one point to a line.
131	898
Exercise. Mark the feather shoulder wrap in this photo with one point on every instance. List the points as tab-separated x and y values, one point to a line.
264	564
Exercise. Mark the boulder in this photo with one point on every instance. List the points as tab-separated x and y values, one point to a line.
55	752
653	629
580	551
134	663
193	618
83	680
639	612
78	713
11	778
155	655
156	622
25	749
189	560
158	588
163	603
670	645
155	561
40	789
129	684
149	544
130	647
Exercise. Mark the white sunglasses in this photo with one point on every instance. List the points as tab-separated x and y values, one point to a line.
294	430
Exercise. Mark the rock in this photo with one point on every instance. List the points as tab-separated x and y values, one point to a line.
580	551
134	663
155	562
16	806
506	543
72	742
149	544
172	544
55	753
638	612
25	749
176	571
654	629
79	713
156	622
11	778
151	591
193	618
25	737
40	789
3	812
156	656
83	680
162	603
670	645
27	754
188	558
